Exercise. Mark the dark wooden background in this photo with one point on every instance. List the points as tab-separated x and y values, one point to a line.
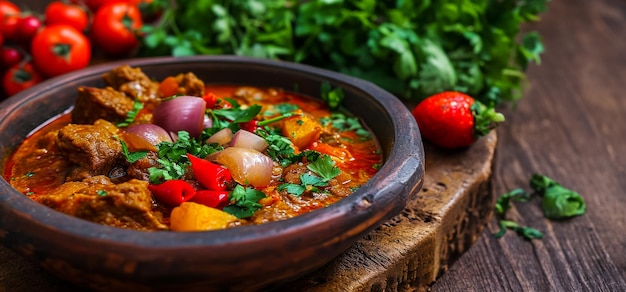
571	126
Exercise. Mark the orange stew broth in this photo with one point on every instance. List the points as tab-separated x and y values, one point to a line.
36	167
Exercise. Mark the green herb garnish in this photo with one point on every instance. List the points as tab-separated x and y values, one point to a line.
173	161
131	115
244	202
558	202
132	157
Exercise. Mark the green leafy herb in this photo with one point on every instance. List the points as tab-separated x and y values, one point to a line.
325	167
558	202
101	193
173	161
308	182
343	122
411	48
130	117
332	96
526	232
132	157
503	203
281	108
244	202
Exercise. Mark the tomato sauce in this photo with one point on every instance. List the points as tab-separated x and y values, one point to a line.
39	167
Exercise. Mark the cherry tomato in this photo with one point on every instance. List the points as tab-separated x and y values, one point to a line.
26	28
8	8
94	5
9	57
59	49
9	26
20	77
114	28
65	13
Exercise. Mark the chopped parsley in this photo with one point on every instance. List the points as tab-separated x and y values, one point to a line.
558	202
343	123
332	97
230	117
131	115
244	202
101	193
132	157
173	161
324	168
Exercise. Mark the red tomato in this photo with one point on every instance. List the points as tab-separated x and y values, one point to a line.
20	77
9	25
9	14
58	12
59	49
26	28
115	28
94	5
9	57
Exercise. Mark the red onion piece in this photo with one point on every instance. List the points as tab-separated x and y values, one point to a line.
246	139
150	132
247	166
183	113
222	137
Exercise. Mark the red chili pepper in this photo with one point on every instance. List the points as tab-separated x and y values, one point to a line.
212	176
210	98
173	192
214	199
249	126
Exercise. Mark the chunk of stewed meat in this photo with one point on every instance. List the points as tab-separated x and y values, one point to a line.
100	103
134	83
189	84
124	205
93	147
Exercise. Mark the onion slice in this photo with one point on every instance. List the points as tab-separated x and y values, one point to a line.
246	139
222	137
183	113
150	132
247	166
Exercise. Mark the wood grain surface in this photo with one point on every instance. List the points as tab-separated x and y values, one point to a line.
571	126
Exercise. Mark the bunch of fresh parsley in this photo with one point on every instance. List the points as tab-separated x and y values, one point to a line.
411	48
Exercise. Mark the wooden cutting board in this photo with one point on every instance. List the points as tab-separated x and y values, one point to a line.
411	250
406	253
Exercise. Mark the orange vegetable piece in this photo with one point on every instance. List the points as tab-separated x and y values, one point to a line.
168	87
190	216
301	129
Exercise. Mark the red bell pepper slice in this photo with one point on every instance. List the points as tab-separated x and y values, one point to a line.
213	199
173	192
212	176
210	98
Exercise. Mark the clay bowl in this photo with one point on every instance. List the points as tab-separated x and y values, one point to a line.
244	258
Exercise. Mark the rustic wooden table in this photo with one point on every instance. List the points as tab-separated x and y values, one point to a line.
569	126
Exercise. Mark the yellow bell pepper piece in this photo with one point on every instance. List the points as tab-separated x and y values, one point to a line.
191	216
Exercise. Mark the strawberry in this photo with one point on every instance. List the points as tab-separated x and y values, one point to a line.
453	119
